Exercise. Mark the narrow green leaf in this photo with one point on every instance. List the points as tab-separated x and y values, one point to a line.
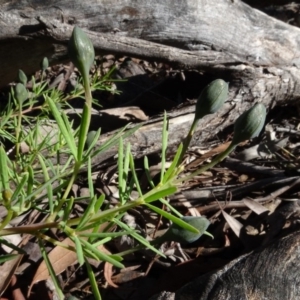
49	187
139	238
42	187
7	257
51	272
90	179
30	180
66	134
170	172
89	211
136	181
79	251
101	242
172	218
161	193
68	209
4	169
12	246
121	180
84	124
99	203
170	207
101	234
20	186
164	147
102	256
93	281
147	171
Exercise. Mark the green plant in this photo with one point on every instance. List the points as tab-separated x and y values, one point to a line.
28	179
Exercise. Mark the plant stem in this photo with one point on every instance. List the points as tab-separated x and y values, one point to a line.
215	161
7	219
187	141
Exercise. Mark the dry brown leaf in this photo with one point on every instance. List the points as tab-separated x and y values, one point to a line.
234	224
255	206
128	274
7	270
207	155
108	273
60	259
128	113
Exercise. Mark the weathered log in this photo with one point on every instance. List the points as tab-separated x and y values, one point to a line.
258	55
188	33
268	273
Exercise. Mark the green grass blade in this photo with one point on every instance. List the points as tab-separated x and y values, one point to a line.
90	180
170	172
20	186
49	187
93	281
4	170
121	179
102	256
79	250
147	172
67	134
87	214
136	181
51	272
174	219
84	124
139	238
161	193
164	147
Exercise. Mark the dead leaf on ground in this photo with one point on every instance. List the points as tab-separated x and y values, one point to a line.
234	224
60	259
7	270
255	206
207	155
108	272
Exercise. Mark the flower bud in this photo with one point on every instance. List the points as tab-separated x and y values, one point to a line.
21	94
249	124
178	234
81	51
22	77
212	98
90	138
44	64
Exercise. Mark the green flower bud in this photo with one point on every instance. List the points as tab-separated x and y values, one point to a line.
44	64
81	51
6	195
21	94
249	124
90	138
178	234
212	98
22	77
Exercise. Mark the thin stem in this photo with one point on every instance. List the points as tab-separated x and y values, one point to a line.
62	201
215	161
187	141
7	219
29	229
18	130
